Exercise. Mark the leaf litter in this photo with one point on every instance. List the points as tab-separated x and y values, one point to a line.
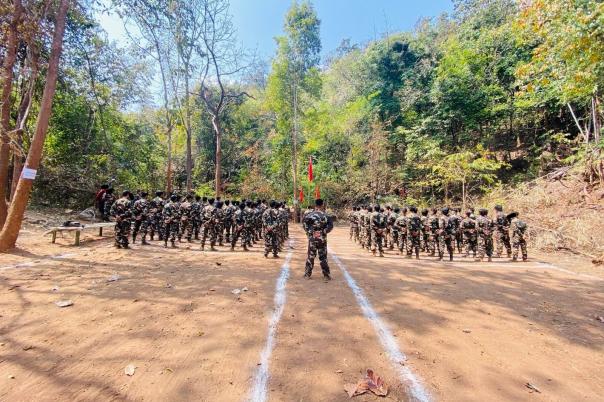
370	383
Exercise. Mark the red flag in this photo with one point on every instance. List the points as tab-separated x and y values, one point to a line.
301	196
317	193
310	176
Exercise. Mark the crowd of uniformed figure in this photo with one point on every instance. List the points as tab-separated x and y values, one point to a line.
191	217
439	232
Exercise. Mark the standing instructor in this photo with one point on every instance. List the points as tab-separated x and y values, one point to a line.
317	224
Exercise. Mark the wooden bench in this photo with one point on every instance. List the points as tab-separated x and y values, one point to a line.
78	230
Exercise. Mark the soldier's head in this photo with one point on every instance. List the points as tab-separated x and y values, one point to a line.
189	197
376	208
197	198
242	205
404	210
319	203
397	210
445	211
211	201
174	197
274	204
413	209
110	190
159	193
204	199
218	204
483	211
144	194
434	211
249	204
469	213
218	199
104	186
388	208
227	202
424	212
126	194
471	209
498	208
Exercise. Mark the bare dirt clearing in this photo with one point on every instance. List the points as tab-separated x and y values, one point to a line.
470	331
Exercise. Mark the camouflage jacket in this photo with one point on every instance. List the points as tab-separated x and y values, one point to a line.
484	225
156	205
171	212
270	219
140	208
317	225
120	209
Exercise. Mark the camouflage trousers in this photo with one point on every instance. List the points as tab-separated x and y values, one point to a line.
368	240
186	227
470	243
122	232
140	225
401	241
228	229
239	232
195	227
353	231
394	235
316	247
270	242
413	244
484	245
502	238
208	231
446	242
377	241
170	230
425	240
157	226
459	241
519	242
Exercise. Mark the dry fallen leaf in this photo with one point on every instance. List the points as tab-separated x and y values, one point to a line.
371	382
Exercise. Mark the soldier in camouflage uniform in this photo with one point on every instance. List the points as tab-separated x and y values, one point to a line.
485	235
446	234
155	211
317	225
186	219
270	226
207	219
394	233
229	210
425	232
433	242
219	225
140	210
108	200
502	232
519	229
171	218
362	230
379	225
400	230
367	227
352	222
239	227
250	221
414	233
458	236
469	230
120	210
195	217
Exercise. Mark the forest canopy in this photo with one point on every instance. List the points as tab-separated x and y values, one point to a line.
500	91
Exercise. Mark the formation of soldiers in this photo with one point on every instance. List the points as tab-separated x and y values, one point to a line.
439	232
191	217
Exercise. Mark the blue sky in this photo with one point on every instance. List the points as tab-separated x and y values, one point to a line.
259	21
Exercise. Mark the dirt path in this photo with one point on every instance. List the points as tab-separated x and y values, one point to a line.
470	331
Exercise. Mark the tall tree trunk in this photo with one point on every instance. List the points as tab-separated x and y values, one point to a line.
218	176
7	84
189	165
169	167
295	153
10	231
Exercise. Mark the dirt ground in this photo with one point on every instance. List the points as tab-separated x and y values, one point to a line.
470	331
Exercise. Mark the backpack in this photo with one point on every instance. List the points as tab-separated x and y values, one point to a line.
415	223
521	226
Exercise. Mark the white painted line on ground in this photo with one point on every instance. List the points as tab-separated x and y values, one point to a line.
32	263
259	391
417	390
547	265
